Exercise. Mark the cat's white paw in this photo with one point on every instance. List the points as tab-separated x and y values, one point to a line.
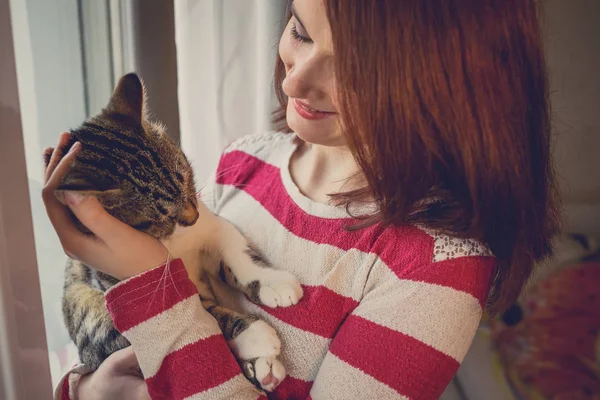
268	372
258	340
279	289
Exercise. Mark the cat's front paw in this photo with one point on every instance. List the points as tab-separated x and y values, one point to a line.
278	289
257	348
258	340
265	372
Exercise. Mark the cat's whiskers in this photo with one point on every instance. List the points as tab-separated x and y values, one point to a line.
217	176
206	196
169	274
158	285
163	278
225	170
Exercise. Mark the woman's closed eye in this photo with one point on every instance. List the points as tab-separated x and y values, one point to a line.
299	34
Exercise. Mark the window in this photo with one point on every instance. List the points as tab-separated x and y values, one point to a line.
65	66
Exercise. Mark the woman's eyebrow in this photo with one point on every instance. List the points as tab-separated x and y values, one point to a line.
295	14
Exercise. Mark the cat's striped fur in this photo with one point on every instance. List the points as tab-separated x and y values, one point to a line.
142	178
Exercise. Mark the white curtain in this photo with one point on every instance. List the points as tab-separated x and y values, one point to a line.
226	53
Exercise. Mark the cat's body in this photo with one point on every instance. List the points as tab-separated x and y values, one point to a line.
141	177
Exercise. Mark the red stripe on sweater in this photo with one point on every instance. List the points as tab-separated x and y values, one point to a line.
182	373
405	250
407	365
263	182
291	389
467	274
472	275
65	389
144	296
320	311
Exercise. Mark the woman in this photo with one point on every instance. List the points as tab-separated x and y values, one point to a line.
427	120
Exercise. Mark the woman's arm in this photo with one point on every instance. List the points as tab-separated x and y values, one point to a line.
179	346
407	337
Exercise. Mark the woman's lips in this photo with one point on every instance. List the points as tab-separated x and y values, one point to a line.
305	111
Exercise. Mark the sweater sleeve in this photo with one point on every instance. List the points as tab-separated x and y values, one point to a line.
66	387
181	351
406	338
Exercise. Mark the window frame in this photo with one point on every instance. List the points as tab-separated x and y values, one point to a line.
23	345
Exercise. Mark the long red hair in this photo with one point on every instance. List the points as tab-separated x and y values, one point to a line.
447	100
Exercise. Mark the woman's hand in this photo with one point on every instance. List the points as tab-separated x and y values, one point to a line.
114	248
117	378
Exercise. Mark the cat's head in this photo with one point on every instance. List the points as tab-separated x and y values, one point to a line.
131	166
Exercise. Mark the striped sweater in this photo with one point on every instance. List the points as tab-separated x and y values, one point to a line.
387	313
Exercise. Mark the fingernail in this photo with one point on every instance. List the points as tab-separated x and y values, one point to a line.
75	146
73	198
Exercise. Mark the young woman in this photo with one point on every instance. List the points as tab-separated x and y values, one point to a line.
414	188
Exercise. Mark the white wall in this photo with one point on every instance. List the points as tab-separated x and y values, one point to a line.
572	30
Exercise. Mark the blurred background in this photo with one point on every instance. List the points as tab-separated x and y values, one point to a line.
208	65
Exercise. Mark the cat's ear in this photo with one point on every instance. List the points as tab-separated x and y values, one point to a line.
110	198
128	98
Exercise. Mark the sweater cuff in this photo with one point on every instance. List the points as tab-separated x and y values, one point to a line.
67	386
141	297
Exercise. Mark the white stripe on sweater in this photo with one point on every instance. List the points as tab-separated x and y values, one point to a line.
229	390
152	333
268	147
352	383
438	306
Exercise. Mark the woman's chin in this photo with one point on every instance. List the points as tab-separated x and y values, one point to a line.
321	132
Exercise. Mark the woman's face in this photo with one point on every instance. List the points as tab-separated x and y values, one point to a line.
307	52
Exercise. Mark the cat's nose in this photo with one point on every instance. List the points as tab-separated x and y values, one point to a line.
189	215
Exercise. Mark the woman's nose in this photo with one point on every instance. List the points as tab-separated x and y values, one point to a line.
297	83
304	80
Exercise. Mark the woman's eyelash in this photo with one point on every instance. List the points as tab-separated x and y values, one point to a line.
298	36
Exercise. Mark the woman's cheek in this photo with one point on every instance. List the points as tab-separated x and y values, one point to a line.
286	48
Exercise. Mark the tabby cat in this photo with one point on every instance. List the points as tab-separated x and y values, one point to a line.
142	178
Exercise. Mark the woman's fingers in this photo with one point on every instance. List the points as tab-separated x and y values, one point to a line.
92	214
70	237
57	155
124	362
46	155
121	239
59	168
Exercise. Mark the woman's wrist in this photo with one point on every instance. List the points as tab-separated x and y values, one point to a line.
84	387
136	270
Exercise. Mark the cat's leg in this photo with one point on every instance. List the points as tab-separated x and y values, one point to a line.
254	343
246	269
86	317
